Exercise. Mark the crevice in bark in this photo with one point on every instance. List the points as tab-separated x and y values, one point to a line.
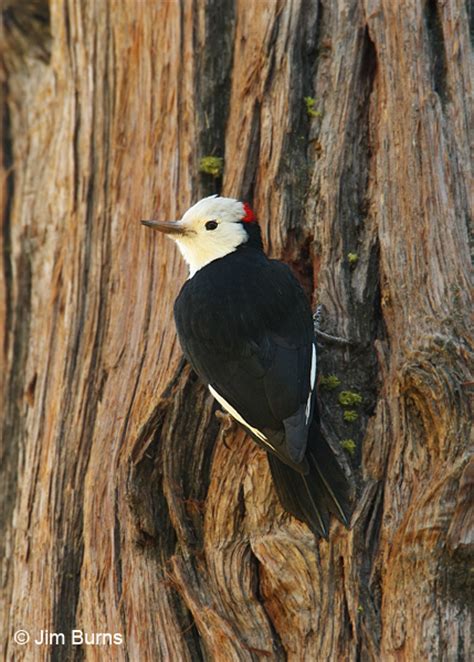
189	631
455	582
298	257
370	579
7	151
27	30
355	176
437	48
310	18
76	150
270	54
144	487
145	498
64	616
381	333
279	651
345	616
185	484
117	550
213	84
251	160
294	171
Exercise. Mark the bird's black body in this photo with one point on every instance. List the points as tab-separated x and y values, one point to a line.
246	327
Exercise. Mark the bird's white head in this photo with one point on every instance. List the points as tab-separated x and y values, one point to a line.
210	229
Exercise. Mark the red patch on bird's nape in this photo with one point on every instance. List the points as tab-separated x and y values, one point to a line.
249	215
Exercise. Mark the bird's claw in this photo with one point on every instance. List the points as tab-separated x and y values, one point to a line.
227	422
317	317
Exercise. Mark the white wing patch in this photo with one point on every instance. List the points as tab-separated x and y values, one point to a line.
313	367
233	412
312	381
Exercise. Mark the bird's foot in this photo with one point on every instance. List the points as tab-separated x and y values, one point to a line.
317	317
338	340
227	425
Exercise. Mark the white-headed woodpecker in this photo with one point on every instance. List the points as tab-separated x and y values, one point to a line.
246	327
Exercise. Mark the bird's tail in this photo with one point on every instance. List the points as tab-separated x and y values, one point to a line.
313	496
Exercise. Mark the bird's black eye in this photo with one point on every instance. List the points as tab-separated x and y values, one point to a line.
211	225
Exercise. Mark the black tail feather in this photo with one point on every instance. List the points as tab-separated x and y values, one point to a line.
314	496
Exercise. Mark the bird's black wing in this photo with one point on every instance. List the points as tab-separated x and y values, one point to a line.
246	327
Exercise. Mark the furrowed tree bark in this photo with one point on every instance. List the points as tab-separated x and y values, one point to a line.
127	505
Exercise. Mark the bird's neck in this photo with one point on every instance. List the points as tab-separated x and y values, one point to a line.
254	237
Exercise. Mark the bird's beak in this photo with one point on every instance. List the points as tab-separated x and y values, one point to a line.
168	227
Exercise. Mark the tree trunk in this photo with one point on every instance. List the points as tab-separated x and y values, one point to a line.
128	506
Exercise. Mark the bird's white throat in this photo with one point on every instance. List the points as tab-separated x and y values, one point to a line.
199	251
